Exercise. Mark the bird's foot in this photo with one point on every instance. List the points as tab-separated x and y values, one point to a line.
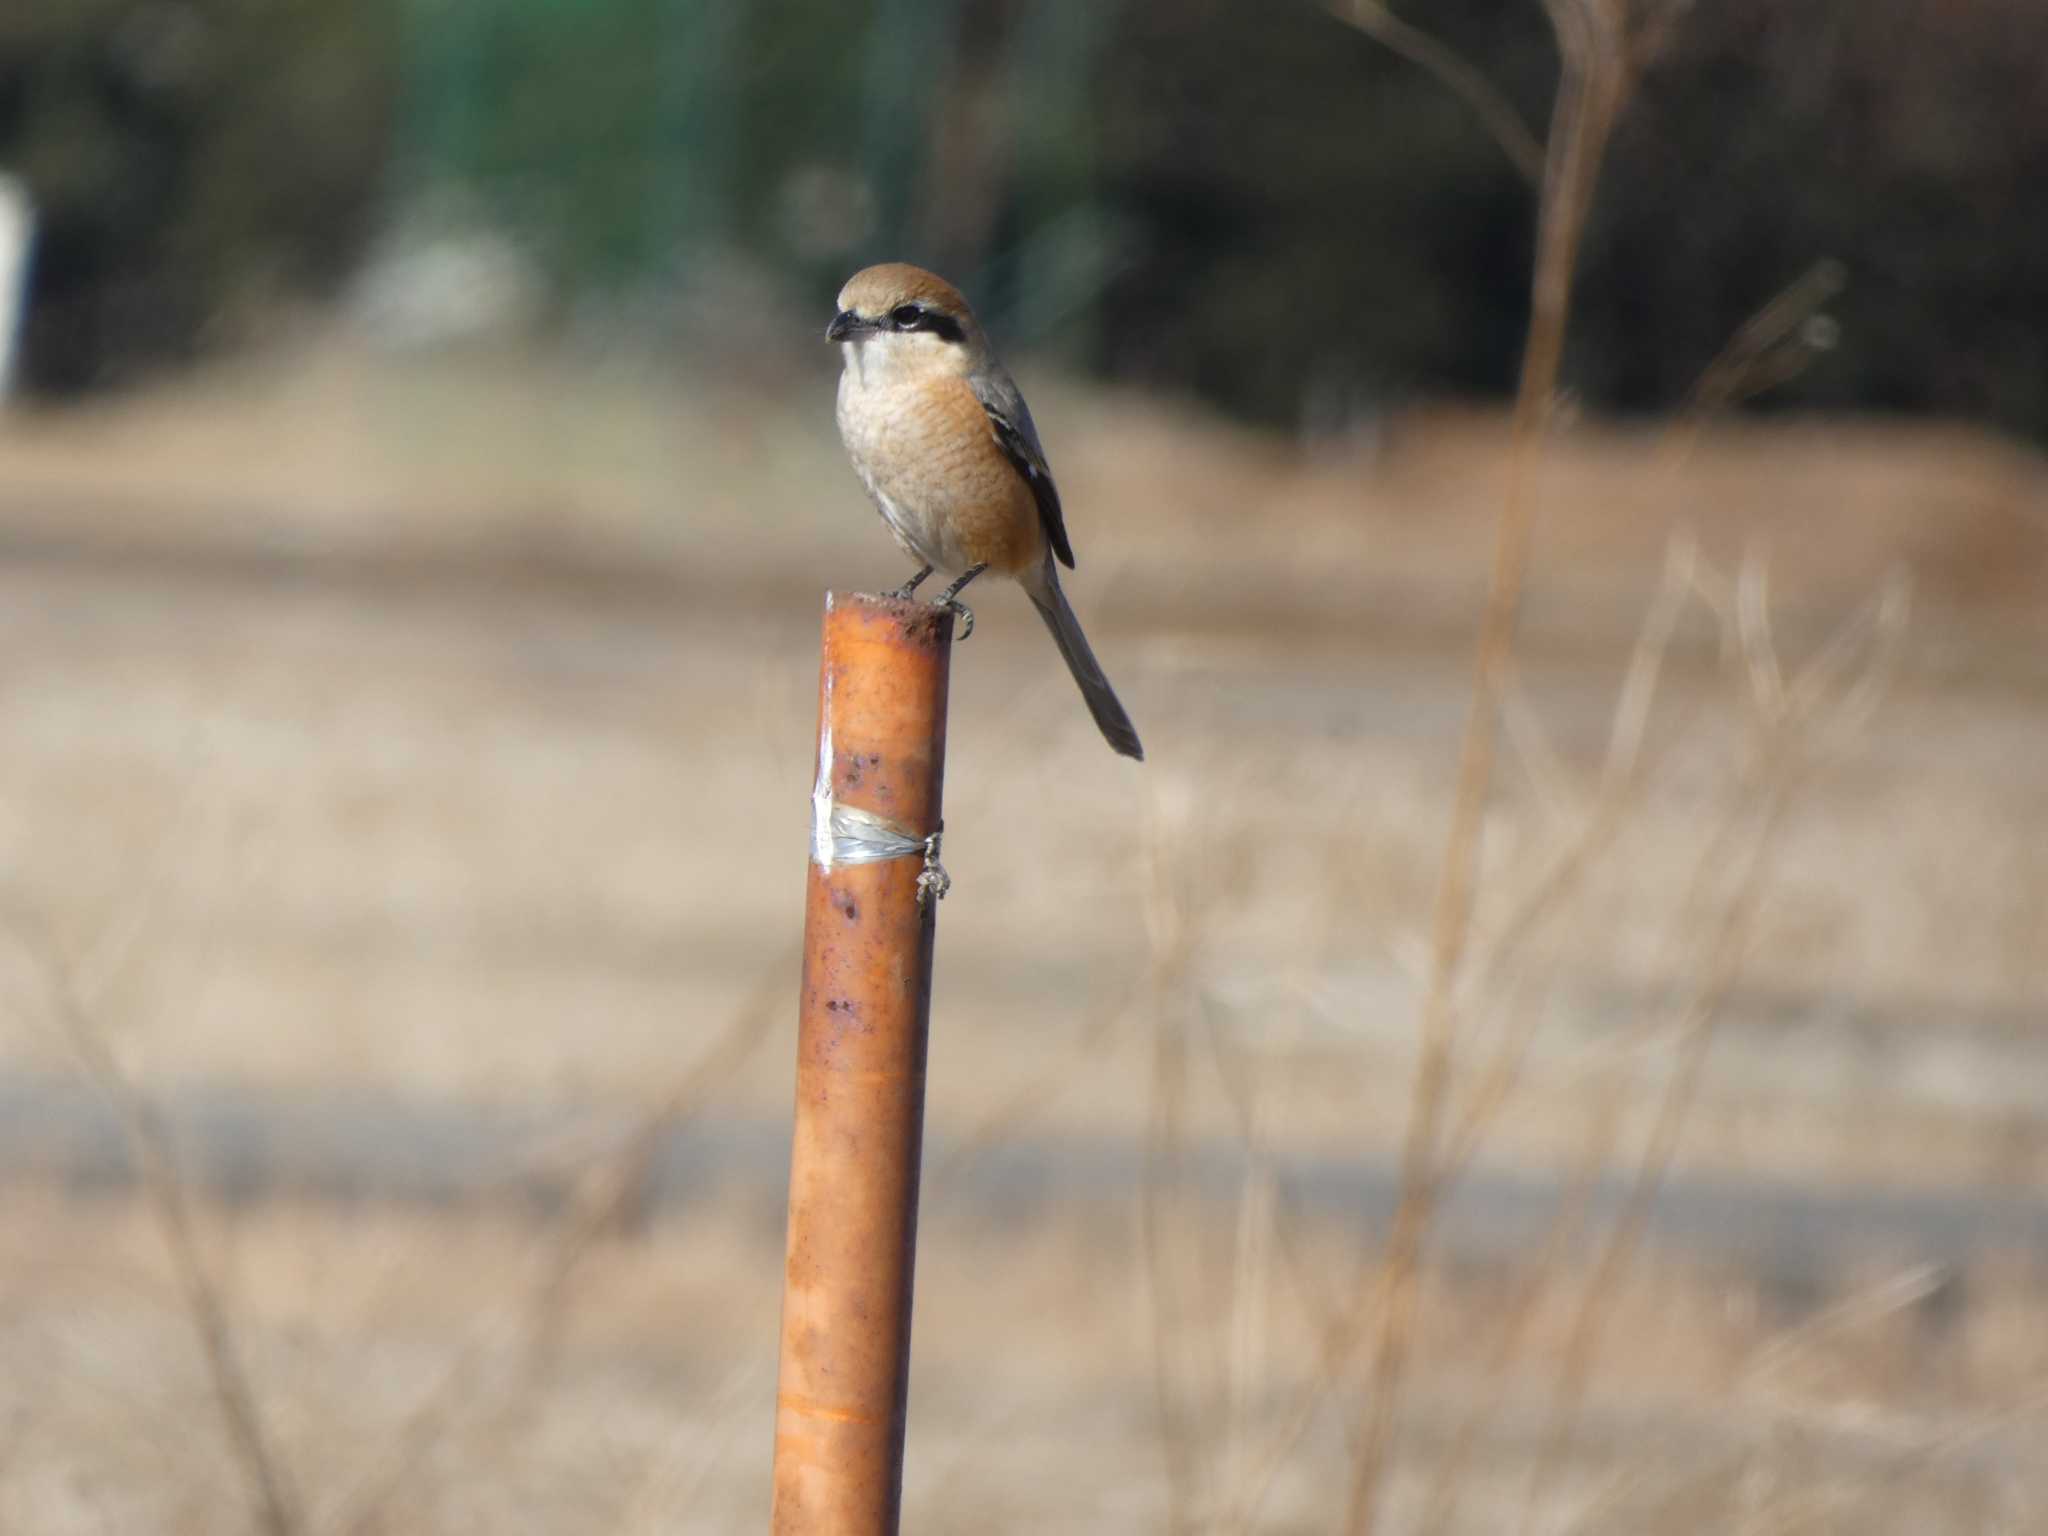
966	614
902	593
950	598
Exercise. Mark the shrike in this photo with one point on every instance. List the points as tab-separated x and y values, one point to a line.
946	447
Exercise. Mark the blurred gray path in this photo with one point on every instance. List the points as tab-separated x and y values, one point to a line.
372	1148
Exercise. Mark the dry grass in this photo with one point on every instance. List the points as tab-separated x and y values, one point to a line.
657	1405
481	832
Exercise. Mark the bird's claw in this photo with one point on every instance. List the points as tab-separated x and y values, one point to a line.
902	593
965	613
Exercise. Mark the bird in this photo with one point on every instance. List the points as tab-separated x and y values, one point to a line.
945	446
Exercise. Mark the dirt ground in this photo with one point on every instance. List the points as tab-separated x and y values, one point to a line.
425	744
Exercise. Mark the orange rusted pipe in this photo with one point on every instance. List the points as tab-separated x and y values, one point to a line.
868	927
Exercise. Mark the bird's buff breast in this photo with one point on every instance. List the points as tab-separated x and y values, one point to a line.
934	472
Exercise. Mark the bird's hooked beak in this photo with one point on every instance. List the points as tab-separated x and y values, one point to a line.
847	326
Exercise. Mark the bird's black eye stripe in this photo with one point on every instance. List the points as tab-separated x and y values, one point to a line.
915	317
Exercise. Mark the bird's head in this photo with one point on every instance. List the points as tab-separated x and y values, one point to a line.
905	319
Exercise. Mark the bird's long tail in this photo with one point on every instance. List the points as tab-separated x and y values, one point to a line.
1116	726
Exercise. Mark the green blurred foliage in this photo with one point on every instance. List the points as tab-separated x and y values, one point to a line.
600	133
1254	203
192	161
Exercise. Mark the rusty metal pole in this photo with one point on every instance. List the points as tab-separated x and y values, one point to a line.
868	927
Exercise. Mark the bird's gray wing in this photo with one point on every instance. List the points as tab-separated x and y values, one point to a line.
1017	435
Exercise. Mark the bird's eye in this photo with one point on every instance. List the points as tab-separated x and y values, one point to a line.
906	316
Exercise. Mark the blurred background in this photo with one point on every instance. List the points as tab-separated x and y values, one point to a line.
417	484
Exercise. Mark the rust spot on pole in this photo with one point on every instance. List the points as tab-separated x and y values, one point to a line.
860	1078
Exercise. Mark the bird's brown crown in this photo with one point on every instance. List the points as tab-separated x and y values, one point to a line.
874	291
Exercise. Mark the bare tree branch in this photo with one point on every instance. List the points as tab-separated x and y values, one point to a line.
1457	74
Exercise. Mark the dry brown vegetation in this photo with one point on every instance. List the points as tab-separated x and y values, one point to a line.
367	791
